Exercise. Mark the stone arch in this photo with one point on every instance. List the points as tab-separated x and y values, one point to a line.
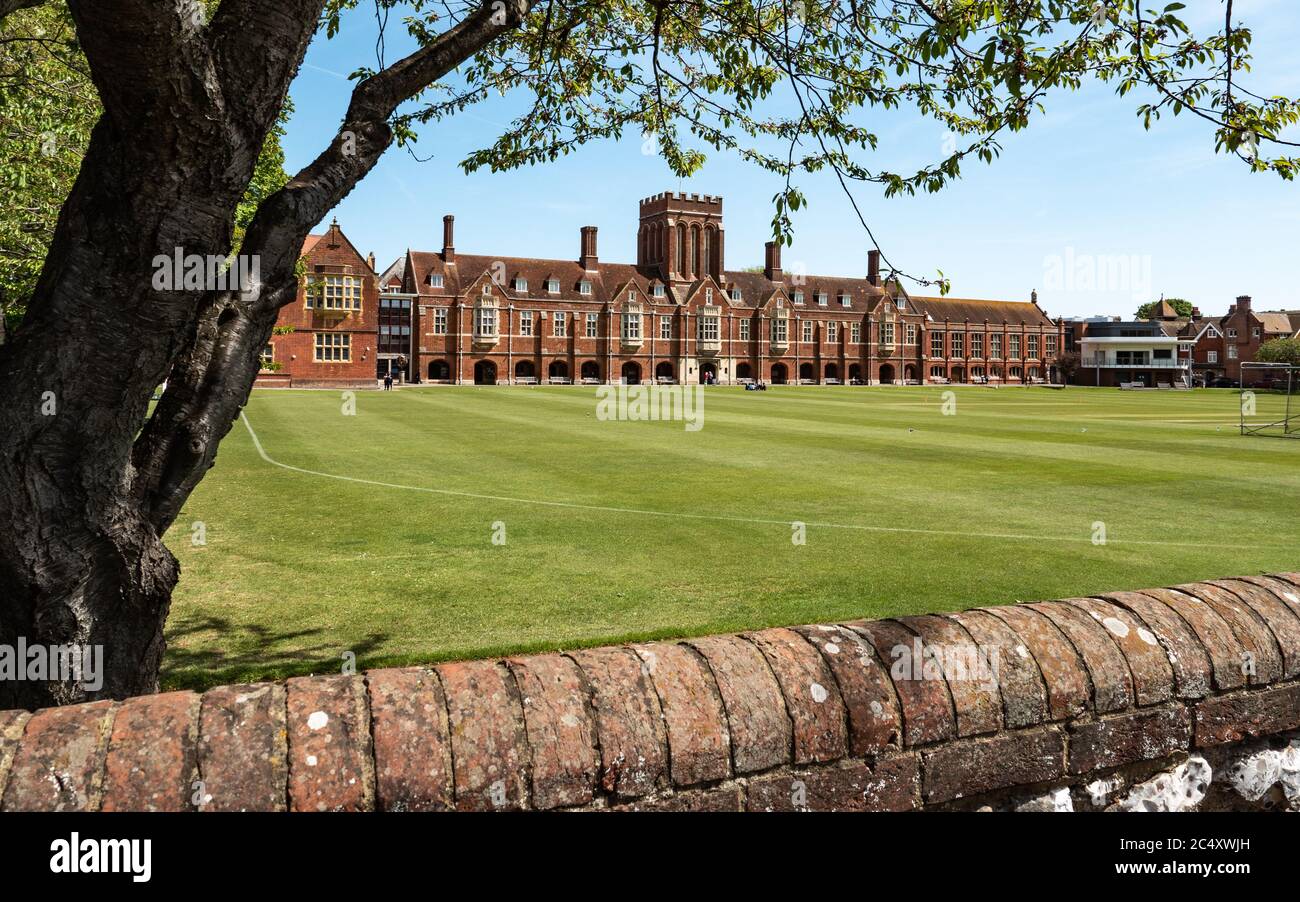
485	373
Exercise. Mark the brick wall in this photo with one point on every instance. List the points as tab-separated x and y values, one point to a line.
815	717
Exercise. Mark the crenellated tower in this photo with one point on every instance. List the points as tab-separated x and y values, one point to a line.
680	238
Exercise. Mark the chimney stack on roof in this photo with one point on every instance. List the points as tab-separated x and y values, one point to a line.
1243	302
873	267
370	260
449	239
772	261
588	257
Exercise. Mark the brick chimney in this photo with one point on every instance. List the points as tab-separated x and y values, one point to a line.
449	239
370	260
873	267
772	261
588	258
1243	303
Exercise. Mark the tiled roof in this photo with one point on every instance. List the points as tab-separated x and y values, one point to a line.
977	311
1278	323
308	243
755	287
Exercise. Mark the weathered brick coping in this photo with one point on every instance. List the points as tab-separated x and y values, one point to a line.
778	719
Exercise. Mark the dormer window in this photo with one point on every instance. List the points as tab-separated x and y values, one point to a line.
584	287
659	290
845	300
798	297
821	299
435	280
552	286
735	295
521	284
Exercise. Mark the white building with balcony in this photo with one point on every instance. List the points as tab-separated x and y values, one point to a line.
1127	353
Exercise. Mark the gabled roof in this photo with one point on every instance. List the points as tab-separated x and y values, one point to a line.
1194	330
396	270
308	243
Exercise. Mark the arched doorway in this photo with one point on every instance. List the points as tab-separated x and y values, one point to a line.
590	371
664	372
439	371
886	374
909	375
485	373
632	373
832	371
806	372
708	372
557	370
855	374
957	374
524	369
780	375
744	371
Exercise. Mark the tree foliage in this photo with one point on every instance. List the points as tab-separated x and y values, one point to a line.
47	108
1280	350
798	86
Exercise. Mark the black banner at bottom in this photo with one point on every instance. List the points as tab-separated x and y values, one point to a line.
638	851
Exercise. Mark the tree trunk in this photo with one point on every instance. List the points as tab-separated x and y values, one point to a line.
87	486
81	556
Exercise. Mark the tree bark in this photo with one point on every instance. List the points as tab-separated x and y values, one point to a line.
87	485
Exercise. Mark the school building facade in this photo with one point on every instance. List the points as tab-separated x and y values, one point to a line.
679	315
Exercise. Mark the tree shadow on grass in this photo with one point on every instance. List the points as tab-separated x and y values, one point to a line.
262	653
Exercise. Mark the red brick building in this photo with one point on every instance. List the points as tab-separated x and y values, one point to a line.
1243	330
678	314
329	334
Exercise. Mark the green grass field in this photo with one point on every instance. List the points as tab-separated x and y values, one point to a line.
636	530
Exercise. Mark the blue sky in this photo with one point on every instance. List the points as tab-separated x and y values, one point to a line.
1085	190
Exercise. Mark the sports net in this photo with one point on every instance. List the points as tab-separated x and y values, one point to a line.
1269	405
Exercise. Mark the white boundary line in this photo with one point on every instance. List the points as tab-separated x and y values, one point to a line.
572	505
